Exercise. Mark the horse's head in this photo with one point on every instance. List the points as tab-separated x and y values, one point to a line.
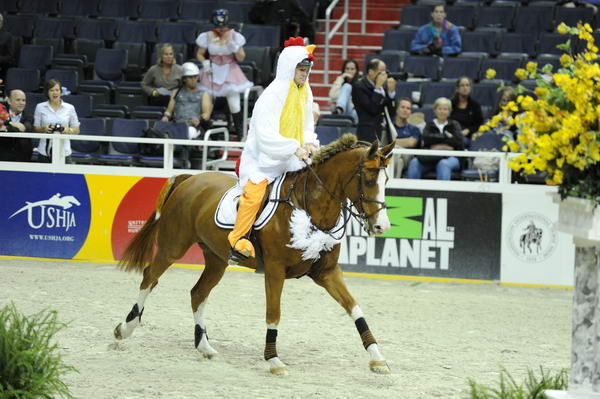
367	189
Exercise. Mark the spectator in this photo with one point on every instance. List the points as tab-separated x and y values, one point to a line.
288	14
408	136
7	49
465	110
12	148
190	104
373	98
440	134
221	75
340	93
506	95
440	37
163	78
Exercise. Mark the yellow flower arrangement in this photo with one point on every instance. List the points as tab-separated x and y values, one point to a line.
490	74
559	127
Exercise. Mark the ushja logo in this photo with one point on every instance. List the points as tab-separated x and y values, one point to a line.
50	213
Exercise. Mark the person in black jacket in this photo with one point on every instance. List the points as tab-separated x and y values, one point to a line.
465	110
371	95
13	148
7	49
440	134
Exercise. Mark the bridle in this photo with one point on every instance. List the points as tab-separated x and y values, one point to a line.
359	213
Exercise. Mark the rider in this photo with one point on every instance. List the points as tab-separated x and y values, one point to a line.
281	135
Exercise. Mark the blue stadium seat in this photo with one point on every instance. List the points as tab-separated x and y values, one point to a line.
193	10
549	41
9	6
67	78
36	57
480	41
239	10
26	79
405	89
53	32
78	8
34	99
462	15
505	68
489	141
485	93
571	16
415	15
427	111
158	9
110	111
82	104
20	25
136	32
176	32
424	66
261	35
501	16
124	153
398	39
261	56
110	64
148	112
517	43
39	7
434	90
181	153
91	35
392	61
119	8
86	151
551	59
453	68
327	134
534	19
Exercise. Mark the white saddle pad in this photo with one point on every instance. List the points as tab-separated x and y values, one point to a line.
227	209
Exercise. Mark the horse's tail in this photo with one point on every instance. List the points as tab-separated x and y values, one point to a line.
140	251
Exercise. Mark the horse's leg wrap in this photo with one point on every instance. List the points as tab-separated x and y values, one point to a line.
135	312
271	344
198	332
365	333
134	318
200	336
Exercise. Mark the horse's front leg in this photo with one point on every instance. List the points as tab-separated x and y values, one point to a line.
333	282
274	278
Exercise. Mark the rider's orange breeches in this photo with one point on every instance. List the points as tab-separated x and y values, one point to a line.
250	203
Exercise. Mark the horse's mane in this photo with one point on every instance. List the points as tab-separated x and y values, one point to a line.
346	142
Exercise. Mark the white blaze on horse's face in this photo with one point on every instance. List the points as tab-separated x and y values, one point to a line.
382	223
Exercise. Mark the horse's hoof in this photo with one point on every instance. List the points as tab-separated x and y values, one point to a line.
280	370
118	334
379	366
209	356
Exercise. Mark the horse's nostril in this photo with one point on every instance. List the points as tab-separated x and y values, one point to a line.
377	227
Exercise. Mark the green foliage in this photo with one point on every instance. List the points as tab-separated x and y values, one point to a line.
30	363
532	388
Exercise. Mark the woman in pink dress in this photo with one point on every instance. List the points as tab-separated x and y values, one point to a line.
221	75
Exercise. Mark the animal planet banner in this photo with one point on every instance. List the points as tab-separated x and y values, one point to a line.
73	216
434	233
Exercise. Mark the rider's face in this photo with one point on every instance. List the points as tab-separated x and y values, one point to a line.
301	75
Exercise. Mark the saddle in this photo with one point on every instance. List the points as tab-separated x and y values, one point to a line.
227	209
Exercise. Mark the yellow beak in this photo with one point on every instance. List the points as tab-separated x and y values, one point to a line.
310	48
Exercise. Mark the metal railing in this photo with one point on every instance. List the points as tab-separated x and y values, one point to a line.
258	90
330	32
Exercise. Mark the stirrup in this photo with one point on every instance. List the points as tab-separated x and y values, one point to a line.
236	256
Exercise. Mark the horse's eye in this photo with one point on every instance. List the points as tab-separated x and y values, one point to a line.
370	183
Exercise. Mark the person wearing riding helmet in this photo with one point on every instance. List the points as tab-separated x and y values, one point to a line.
222	76
189	103
281	136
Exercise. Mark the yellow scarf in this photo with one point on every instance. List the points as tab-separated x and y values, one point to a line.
291	121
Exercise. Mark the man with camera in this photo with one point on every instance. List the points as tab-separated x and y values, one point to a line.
13	148
440	37
373	98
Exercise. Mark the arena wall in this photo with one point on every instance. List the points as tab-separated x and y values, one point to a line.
440	230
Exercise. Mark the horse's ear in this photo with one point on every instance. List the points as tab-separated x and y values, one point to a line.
373	149
387	150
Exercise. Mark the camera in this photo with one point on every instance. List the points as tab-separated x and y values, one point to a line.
57	127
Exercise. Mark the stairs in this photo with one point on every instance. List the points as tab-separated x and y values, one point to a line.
381	15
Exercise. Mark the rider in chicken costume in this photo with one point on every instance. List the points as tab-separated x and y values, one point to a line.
281	136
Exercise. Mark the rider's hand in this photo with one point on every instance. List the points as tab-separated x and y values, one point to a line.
301	153
380	79
311	148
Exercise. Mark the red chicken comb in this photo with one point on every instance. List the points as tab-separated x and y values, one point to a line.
294	41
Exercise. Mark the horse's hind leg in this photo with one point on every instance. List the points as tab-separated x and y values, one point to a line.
333	281
212	274
151	275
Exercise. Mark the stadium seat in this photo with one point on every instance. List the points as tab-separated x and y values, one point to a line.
82	104
130	94
549	41
110	111
53	32
86	151
261	35
571	16
392	61
20	25
498	16
45	7
119	8
415	15
339	121
176	32
35	57
92	35
462	15
534	19
261	56
180	154
239	10
398	39
9	6
453	68
480	41
158	9
489	141
551	59
78	8
67	78
505	68
434	90
136	32
110	64
427	111
136	58
124	153
327	134
193	10
422	66
148	112
406	89
485	93
33	99
26	79
517	43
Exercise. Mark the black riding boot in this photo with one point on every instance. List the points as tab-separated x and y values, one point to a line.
238	123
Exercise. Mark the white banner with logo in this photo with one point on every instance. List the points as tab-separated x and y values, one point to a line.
533	251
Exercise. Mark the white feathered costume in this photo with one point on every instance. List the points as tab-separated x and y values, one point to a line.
268	154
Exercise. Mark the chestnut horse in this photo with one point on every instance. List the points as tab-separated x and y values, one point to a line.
345	169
